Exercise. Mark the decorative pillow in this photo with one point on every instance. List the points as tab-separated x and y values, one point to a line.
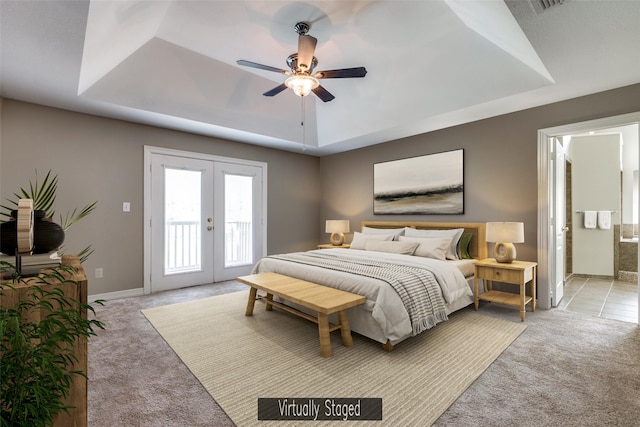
395	231
360	240
429	247
405	248
463	246
454	234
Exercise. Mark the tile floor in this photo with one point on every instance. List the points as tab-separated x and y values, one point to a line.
611	299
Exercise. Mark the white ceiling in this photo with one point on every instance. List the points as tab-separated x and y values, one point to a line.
431	64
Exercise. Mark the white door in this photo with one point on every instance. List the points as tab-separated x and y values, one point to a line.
205	218
181	222
559	222
237	219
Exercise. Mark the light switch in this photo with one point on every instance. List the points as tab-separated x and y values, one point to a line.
126	207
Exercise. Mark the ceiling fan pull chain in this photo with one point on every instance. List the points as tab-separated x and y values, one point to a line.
304	146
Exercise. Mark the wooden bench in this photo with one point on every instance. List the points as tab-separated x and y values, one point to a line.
322	299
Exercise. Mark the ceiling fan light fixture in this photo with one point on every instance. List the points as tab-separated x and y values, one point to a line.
302	85
302	64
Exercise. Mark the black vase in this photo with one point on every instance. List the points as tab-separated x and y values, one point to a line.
47	235
8	237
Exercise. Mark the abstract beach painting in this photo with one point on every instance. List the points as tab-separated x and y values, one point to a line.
425	185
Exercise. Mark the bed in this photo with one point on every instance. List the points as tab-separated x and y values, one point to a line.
413	274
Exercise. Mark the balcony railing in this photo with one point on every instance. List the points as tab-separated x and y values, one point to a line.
183	245
238	244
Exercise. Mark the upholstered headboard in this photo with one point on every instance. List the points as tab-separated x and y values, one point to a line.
477	248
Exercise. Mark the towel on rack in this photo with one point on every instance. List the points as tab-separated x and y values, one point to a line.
590	219
604	220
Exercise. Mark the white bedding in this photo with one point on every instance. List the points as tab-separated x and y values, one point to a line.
466	266
383	303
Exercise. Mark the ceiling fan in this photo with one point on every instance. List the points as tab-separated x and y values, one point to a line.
303	79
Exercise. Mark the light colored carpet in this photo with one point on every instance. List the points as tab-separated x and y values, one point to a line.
273	354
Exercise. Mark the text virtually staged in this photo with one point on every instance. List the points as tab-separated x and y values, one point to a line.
320	409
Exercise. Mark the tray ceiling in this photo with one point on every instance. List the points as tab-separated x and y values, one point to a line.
431	64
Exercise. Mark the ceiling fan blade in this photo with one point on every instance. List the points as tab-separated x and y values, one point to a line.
342	73
276	90
261	66
323	94
306	49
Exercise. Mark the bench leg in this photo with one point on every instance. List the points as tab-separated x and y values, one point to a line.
252	302
268	306
345	330
325	338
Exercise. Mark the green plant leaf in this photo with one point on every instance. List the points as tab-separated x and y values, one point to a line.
75	216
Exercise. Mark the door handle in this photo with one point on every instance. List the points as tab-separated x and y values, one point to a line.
565	228
209	228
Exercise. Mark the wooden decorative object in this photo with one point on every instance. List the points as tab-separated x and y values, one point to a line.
24	226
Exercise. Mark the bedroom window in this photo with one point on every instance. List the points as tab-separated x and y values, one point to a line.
183	190
238	220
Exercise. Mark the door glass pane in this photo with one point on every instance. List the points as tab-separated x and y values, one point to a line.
238	220
183	231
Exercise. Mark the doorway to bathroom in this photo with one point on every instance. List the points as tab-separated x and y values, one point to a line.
600	255
624	219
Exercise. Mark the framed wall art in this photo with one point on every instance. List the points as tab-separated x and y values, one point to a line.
425	185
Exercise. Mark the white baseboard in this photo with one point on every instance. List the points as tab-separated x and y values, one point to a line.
116	295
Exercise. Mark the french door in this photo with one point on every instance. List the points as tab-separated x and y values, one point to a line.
204	218
236	217
559	222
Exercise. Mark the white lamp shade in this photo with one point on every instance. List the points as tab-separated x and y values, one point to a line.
337	226
505	232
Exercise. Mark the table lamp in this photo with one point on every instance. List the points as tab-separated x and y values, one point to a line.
337	228
505	234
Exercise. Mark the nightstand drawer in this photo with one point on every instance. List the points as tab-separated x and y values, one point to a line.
499	274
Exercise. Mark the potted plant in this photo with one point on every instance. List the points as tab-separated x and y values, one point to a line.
43	328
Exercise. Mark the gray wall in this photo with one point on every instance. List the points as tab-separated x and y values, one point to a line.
102	159
500	164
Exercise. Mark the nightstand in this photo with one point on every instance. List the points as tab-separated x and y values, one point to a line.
517	273
331	246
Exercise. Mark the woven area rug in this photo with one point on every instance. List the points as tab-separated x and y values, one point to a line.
239	359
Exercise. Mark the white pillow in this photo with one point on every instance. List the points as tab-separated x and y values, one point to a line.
405	248
395	231
360	240
454	234
429	247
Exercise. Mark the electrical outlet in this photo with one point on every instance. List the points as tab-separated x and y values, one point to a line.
99	273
